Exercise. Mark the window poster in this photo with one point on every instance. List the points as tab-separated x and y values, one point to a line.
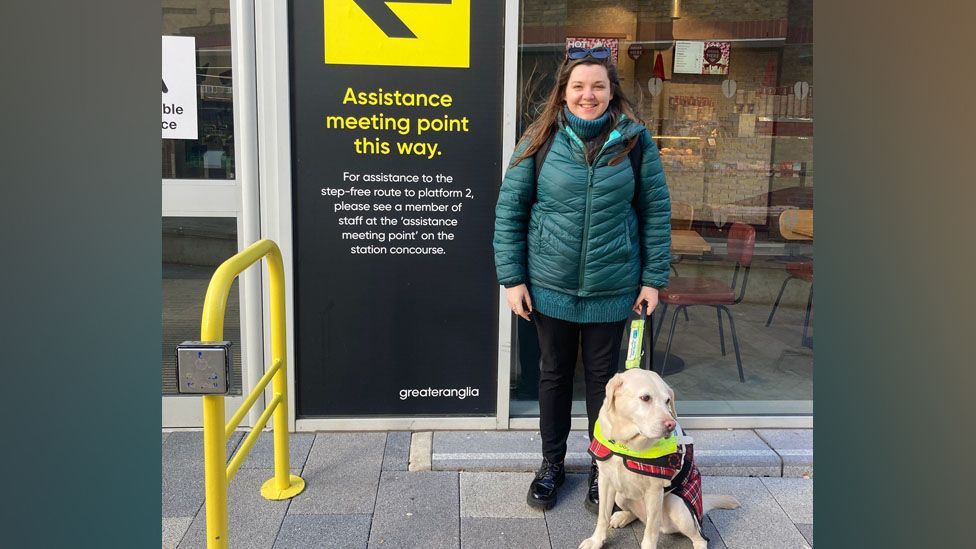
697	57
179	88
396	144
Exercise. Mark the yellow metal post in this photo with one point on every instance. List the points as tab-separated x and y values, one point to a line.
214	470
283	485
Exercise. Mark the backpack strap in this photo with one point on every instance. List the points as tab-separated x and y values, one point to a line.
636	156
540	155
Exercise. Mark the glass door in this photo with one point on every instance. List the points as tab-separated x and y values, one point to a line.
207	185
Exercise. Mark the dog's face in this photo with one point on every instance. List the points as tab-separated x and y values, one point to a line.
638	404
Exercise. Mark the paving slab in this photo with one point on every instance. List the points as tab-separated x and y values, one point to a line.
759	522
420	450
807	531
504	533
253	521
182	472
173	531
496	495
182	490
511	451
186	447
396	455
261	455
341	474
570	523
723	452
795	447
323	532
794	495
416	510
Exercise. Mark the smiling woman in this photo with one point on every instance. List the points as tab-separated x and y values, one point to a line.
734	137
583	202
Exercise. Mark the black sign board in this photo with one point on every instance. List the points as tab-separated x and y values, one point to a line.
396	142
634	51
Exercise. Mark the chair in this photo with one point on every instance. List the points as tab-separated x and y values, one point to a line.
797	225
684	292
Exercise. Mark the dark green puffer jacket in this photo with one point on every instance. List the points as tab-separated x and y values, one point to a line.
585	234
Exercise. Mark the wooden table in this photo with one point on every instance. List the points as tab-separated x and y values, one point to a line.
688	243
796	224
804	231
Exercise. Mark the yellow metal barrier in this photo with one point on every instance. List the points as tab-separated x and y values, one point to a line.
217	472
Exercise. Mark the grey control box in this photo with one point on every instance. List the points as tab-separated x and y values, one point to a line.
203	368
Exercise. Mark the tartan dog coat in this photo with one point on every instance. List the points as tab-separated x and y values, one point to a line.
665	459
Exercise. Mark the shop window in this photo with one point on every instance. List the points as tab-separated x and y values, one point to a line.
734	125
193	248
211	155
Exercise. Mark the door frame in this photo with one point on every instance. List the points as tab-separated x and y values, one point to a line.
238	199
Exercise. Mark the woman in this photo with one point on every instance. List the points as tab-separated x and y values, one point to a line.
582	246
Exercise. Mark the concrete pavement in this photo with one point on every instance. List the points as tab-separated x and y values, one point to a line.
466	489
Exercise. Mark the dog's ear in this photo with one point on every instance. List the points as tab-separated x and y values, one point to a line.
672	406
608	413
611	392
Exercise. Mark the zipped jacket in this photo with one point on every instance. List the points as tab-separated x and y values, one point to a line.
585	229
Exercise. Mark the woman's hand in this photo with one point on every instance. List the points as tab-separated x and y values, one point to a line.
649	295
516	296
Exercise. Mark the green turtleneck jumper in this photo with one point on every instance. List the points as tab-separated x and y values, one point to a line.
573	308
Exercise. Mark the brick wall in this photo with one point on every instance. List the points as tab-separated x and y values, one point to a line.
555	12
699	18
728	10
728	168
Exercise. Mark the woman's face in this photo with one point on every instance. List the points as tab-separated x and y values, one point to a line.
588	91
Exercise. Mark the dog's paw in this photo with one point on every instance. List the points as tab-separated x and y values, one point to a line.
621	519
591	543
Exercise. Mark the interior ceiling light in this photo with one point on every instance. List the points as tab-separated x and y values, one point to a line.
675	9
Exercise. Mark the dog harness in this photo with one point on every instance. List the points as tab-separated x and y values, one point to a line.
671	458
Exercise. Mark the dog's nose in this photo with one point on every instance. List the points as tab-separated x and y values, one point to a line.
669	425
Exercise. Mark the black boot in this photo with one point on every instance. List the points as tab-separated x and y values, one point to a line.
592	501
542	491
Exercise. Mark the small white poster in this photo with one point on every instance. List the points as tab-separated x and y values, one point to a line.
179	87
688	57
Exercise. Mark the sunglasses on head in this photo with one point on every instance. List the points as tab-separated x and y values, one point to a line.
599	52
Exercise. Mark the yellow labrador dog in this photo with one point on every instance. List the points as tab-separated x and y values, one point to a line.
646	464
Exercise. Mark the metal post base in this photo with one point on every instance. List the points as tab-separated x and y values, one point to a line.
270	488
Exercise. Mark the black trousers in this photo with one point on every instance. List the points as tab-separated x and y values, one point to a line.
559	343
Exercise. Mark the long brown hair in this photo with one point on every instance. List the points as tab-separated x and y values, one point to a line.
542	127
